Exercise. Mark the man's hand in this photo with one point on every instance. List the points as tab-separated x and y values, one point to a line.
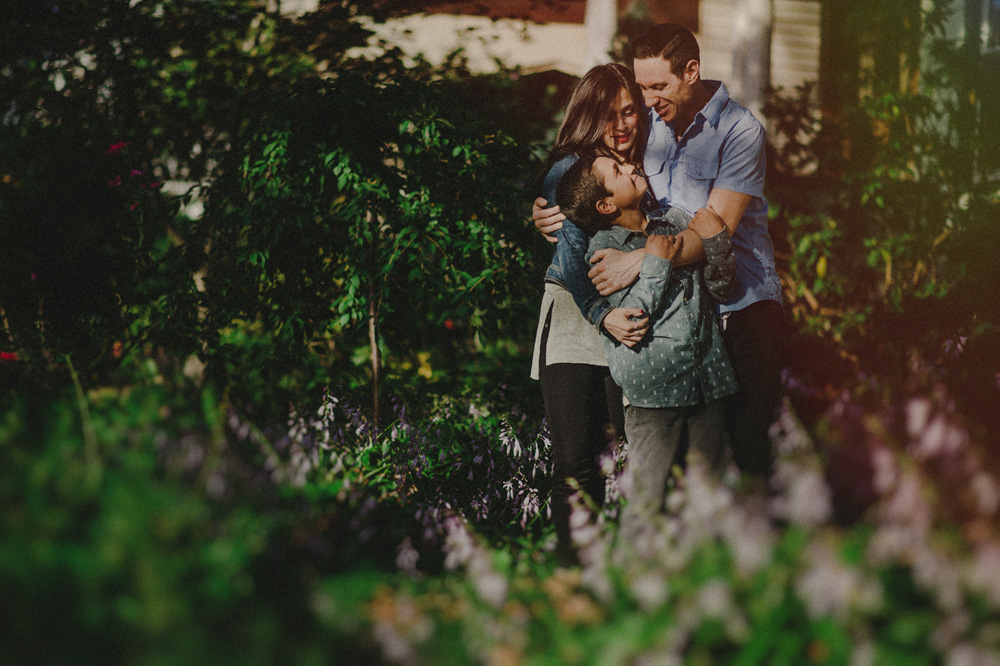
706	222
547	220
667	247
614	269
618	323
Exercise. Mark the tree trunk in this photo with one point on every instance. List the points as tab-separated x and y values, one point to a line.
373	295
753	22
600	24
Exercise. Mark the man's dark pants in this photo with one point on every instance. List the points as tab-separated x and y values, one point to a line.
753	341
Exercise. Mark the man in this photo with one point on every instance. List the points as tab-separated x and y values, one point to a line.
705	154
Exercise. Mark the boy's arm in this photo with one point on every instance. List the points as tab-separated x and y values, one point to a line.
627	324
648	290
720	265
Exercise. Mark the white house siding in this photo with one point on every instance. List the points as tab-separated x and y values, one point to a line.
715	20
532	46
795	41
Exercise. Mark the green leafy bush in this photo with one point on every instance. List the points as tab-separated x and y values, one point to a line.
363	209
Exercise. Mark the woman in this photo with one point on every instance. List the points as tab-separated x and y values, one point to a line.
604	115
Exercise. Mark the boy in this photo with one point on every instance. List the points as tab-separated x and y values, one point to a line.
675	378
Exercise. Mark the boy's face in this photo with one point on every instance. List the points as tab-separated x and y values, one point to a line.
622	181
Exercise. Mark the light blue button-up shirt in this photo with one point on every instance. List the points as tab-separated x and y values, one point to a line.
724	148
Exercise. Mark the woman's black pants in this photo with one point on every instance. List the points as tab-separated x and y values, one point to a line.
577	399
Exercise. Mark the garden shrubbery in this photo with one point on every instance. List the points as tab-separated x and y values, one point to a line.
297	428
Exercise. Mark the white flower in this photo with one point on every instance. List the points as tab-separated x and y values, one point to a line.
806	500
650	590
715	599
966	654
407	556
981	573
886	470
828	587
491	588
863	654
750	539
987	494
918	412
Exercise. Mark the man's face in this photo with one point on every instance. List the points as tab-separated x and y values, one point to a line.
621	180
620	133
663	91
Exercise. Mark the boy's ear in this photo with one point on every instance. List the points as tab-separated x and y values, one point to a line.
605	206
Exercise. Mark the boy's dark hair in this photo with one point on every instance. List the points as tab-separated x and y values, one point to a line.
579	191
670	41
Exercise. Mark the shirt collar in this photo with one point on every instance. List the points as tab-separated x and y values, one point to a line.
712	111
622	235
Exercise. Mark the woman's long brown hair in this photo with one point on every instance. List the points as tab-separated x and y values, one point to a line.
591	107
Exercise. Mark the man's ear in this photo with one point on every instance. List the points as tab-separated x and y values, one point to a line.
692	72
606	207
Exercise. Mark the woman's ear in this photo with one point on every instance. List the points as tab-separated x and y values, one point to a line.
606	207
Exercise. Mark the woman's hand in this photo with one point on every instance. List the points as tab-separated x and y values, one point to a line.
667	247
547	220
614	269
628	325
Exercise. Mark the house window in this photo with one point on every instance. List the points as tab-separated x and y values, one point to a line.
991	25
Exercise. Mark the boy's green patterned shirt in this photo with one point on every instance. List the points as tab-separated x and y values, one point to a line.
682	360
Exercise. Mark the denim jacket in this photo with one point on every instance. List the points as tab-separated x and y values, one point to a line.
569	268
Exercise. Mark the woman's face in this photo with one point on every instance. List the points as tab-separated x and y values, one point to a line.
620	132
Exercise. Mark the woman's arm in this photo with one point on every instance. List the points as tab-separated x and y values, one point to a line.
628	326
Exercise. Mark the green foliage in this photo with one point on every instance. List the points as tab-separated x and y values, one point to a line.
274	284
86	247
884	198
122	542
365	199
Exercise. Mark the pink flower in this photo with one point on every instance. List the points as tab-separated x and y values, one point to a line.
8	357
115	182
136	172
115	147
133	206
34	276
155	185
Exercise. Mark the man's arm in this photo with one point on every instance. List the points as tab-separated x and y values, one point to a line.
727	206
615	269
547	220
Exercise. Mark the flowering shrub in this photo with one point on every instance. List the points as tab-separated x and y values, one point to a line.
425	539
423	470
726	578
